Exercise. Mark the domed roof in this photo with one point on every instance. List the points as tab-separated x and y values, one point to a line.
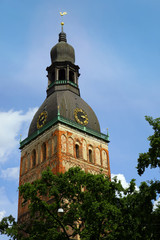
63	94
67	102
62	51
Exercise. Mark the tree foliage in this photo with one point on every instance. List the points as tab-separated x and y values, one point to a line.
152	157
94	208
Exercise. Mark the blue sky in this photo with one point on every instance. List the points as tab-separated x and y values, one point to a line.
118	51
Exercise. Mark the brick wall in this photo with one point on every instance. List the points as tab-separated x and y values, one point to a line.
61	148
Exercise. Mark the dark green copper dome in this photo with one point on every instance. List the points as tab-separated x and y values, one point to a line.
63	91
62	51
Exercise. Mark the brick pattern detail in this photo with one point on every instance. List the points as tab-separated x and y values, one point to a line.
84	149
97	156
104	159
70	146
63	143
60	142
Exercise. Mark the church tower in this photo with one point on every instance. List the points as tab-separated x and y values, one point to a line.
65	131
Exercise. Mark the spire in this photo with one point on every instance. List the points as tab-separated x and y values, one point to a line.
62	23
20	138
62	35
58	112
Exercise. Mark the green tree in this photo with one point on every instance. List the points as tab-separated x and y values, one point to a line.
94	207
151	159
152	156
156	221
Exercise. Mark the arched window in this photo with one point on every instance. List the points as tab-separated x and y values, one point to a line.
90	156
54	144
77	150
97	156
44	151
70	146
104	158
62	74
71	76
34	158
63	143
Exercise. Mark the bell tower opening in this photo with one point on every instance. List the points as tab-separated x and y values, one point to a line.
62	74
53	75
71	76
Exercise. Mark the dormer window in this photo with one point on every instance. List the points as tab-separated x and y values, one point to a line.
62	74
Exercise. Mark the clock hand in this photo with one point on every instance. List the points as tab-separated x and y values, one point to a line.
83	116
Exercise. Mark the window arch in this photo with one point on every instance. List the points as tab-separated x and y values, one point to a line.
63	143
90	156
54	144
97	156
105	159
70	146
77	150
33	158
62	74
44	151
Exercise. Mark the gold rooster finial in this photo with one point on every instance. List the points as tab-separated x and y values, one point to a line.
62	14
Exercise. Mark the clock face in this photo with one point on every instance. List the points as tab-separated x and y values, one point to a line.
80	116
41	119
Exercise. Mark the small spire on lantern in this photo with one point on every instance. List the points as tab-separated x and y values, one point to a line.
62	23
58	114
20	140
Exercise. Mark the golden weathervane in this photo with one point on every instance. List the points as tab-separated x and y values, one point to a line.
62	14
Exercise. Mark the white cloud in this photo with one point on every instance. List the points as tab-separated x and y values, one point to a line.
155	203
10	173
121	177
10	127
2	214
